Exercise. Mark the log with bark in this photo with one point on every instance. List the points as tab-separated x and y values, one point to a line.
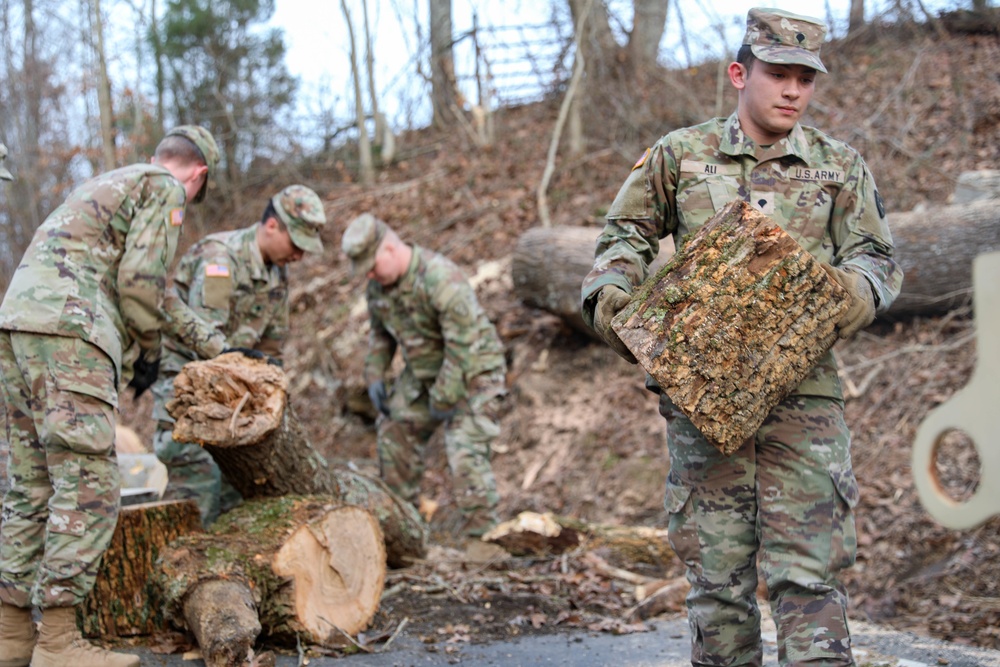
294	568
549	265
237	409
733	323
534	534
124	601
935	248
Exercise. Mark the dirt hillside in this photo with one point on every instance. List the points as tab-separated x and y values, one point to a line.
581	437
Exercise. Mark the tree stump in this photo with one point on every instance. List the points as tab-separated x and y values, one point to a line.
733	323
313	569
237	409
124	601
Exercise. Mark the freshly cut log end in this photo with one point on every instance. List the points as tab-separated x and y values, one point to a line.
337	566
229	400
733	323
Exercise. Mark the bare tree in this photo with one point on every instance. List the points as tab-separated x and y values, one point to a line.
856	19
444	87
103	88
367	167
649	20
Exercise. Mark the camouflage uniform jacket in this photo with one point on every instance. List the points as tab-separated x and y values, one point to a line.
432	313
96	268
816	188
224	295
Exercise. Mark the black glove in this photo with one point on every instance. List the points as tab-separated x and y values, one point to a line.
251	353
378	396
144	374
441	414
610	300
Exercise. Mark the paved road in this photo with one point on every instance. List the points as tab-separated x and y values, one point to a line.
666	646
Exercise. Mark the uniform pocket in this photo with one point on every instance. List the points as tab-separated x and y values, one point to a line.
844	538
78	418
682	528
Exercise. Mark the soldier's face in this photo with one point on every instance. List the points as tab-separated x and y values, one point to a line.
772	98
276	245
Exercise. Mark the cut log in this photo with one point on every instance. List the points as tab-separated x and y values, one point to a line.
550	263
124	601
314	571
733	323
237	409
534	534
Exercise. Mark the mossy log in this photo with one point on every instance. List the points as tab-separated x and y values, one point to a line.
733	323
124	601
313	569
237	409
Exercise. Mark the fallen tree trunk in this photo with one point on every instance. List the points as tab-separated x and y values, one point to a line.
733	323
549	264
935	248
124	601
305	568
237	409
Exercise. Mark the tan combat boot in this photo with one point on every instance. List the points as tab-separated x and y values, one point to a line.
17	636
61	645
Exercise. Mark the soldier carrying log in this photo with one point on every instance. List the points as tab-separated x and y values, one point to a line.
786	496
230	293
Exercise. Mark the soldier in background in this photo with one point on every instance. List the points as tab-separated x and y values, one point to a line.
455	370
784	501
80	320
230	293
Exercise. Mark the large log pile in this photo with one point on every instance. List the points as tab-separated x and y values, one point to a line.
733	323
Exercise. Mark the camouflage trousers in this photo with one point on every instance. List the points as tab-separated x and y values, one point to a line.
191	471
60	512
403	436
785	497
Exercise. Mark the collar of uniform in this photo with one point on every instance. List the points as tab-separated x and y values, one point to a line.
409	279
258	269
735	142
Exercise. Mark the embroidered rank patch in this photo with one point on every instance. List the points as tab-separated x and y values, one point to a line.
641	161
216	271
824	175
177	217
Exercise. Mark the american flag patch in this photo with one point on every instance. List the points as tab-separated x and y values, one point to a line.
177	217
216	271
641	161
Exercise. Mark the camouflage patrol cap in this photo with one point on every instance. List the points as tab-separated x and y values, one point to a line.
205	142
4	173
361	241
780	37
302	212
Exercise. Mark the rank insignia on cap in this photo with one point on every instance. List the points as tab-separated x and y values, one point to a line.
216	271
177	217
641	161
